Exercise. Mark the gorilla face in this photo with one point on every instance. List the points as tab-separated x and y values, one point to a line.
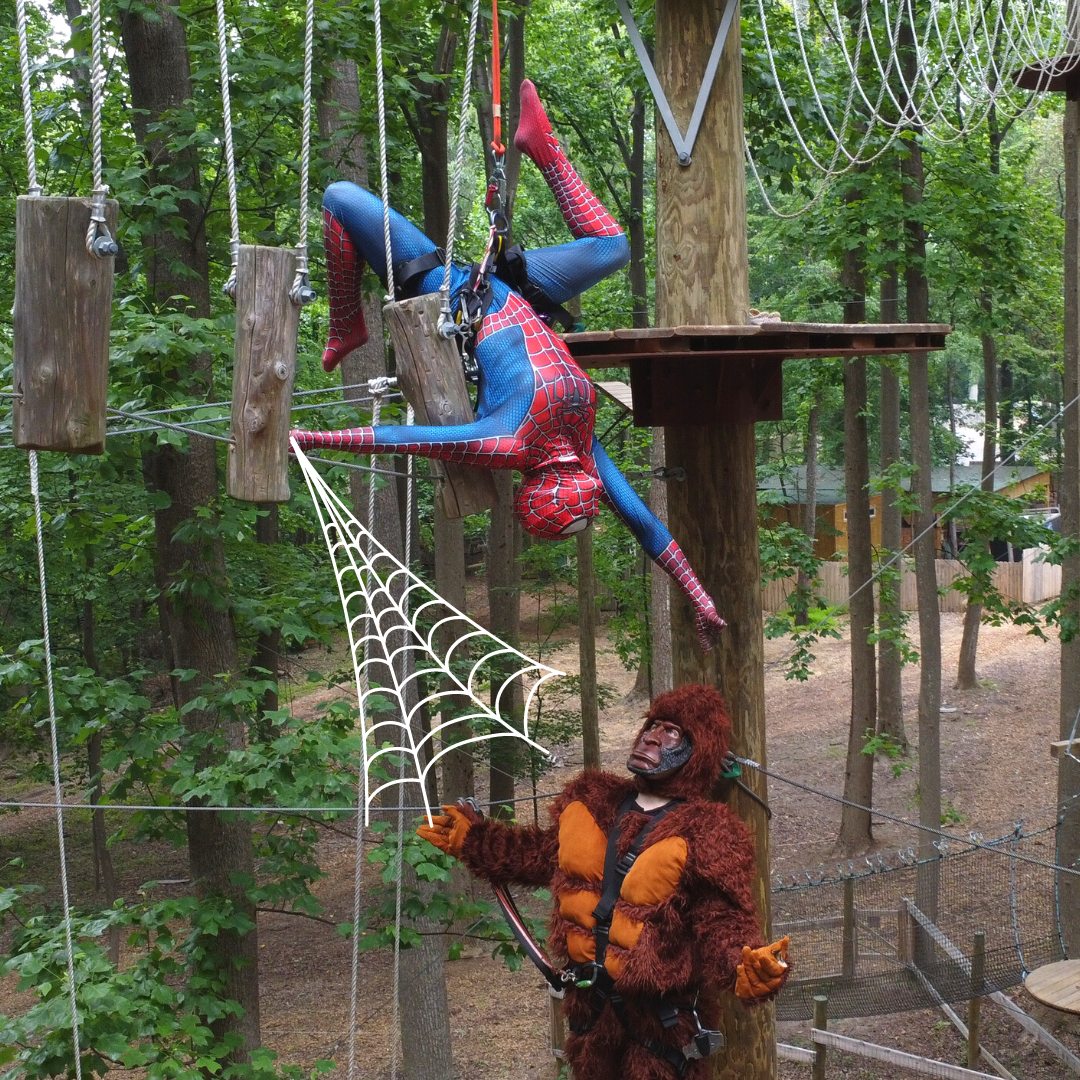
661	749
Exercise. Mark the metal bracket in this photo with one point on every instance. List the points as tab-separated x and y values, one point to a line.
684	145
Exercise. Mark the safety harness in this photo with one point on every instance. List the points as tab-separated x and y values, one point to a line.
593	975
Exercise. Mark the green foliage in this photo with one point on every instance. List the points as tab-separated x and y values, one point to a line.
884	744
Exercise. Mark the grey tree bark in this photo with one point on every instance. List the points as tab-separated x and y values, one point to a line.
809	523
662	679
201	631
890	615
855	830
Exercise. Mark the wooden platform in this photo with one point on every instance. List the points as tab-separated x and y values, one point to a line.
1056	985
732	374
1057	73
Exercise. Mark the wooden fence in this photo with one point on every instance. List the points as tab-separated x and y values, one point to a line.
1030	581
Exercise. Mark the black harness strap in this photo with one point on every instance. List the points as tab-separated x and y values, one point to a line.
512	268
674	1057
615	871
407	274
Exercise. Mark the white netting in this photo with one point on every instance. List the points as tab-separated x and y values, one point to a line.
413	651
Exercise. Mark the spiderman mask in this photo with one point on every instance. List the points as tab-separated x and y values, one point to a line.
557	500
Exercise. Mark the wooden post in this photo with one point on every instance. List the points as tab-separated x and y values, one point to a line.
558	1035
1068	783
63	313
978	967
264	365
851	932
702	278
430	376
586	596
821	1022
905	934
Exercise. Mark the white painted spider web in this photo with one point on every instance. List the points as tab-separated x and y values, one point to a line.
413	651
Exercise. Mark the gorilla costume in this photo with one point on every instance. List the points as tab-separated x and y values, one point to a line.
683	925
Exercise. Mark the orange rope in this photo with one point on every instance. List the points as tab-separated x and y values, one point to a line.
496	81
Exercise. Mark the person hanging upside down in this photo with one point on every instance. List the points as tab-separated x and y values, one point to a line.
536	407
652	896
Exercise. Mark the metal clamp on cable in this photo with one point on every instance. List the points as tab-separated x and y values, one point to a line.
301	293
99	241
229	288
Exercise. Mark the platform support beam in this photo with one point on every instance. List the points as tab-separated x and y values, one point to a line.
62	315
703	278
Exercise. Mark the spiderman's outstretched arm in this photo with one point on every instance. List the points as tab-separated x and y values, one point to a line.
485	442
658	543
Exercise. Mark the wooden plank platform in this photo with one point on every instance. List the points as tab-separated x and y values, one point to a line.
733	374
1056	985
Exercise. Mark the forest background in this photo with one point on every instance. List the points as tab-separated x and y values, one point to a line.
176	611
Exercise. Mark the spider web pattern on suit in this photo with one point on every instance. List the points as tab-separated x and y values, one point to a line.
396	623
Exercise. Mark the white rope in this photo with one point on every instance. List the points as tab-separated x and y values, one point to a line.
459	159
301	291
99	241
358	891
32	186
58	787
229	288
410	490
380	91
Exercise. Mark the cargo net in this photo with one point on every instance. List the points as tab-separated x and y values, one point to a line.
898	934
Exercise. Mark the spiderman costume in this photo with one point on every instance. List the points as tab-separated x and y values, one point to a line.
535	407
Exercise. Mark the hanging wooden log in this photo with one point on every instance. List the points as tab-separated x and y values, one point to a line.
264	365
63	313
430	376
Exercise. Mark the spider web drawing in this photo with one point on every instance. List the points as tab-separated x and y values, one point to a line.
412	650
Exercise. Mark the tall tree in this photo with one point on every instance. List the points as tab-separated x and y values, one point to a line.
855	830
890	700
198	620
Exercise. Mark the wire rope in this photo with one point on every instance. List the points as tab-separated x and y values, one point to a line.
229	288
459	157
32	186
58	786
301	291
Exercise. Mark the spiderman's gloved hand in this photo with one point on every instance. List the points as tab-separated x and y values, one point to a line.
762	971
448	831
708	622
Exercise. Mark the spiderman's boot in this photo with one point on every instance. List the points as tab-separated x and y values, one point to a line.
344	271
582	211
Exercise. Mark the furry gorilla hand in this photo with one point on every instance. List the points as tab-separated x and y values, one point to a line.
762	971
447	831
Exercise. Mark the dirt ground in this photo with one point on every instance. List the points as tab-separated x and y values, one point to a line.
996	770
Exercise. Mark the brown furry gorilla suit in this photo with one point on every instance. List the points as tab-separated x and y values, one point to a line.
685	912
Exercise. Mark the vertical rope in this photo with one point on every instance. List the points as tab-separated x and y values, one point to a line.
32	185
99	241
459	160
381	95
358	892
301	291
58	787
410	491
229	288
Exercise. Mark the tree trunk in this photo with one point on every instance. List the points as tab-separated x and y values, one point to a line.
923	520
458	772
890	700
516	71
266	663
660	606
638	269
966	676
1068	844
702	278
104	874
855	831
200	627
504	619
338	110
809	522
